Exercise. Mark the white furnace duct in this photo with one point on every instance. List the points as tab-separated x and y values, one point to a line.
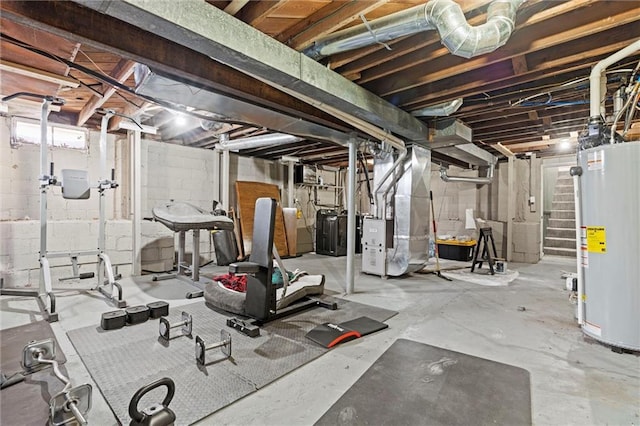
610	243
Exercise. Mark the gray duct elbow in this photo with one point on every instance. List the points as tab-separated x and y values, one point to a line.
477	180
446	16
468	41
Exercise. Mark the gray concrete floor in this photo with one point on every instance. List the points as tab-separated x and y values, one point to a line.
574	380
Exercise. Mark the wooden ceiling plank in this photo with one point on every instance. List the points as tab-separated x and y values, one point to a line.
122	71
38	74
530	39
234	6
349	12
257	11
302	25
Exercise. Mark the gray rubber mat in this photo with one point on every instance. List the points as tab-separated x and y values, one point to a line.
27	402
166	289
121	361
417	384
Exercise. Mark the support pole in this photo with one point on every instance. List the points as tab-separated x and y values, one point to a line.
511	207
216	172
290	185
103	183
44	179
351	214
136	197
224	178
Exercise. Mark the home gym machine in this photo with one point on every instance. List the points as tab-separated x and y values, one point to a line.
75	186
261	301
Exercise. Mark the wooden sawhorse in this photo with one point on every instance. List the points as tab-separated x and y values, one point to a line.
486	237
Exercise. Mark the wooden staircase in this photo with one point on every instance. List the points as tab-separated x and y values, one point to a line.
560	237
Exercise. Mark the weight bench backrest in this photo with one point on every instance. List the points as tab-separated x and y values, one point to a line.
264	224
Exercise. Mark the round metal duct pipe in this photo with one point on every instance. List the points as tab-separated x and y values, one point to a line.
446	16
258	141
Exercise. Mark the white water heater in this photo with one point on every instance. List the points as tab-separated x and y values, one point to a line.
610	243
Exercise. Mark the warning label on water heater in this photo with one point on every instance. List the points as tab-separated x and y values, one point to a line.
595	160
596	239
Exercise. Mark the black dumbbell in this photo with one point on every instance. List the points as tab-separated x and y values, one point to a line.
224	344
186	325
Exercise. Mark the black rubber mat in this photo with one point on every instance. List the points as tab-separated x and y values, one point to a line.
27	402
121	361
417	384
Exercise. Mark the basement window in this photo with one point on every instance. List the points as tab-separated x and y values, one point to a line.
26	131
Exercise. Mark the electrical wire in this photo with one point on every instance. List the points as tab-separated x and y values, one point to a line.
116	84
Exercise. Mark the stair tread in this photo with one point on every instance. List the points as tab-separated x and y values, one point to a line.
566	250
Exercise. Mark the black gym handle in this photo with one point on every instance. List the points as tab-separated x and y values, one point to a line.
133	405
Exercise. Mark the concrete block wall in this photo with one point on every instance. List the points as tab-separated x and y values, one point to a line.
526	242
527	230
179	173
168	172
20	245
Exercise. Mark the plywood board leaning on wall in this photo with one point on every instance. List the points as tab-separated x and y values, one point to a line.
247	193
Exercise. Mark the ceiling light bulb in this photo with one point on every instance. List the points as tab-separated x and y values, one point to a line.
181	120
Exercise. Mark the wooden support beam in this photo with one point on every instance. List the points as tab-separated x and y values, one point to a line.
234	6
121	72
257	11
27	71
519	64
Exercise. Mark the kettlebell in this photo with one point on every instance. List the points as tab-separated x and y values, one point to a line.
157	414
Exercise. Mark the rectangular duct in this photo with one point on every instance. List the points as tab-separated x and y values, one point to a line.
153	84
451	137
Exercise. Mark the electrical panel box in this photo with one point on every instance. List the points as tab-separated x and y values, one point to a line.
374	246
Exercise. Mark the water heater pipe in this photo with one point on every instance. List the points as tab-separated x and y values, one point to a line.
576	172
597	73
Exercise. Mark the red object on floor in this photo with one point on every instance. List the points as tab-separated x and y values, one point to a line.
233	282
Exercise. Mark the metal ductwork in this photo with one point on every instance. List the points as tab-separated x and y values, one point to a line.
167	88
398	243
451	137
444	109
446	16
208	30
258	141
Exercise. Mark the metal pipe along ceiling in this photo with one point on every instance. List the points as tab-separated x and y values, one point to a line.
477	180
258	141
446	16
